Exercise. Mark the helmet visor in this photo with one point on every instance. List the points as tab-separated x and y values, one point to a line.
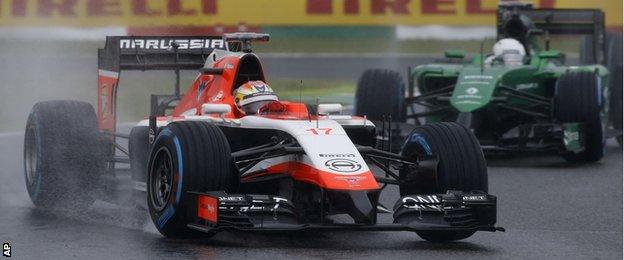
252	108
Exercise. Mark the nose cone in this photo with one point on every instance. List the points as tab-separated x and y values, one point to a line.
474	89
360	205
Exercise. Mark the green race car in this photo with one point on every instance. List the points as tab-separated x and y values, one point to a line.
523	98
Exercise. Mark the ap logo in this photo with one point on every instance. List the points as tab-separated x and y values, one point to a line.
6	250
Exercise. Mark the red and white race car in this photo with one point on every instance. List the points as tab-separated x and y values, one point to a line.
206	166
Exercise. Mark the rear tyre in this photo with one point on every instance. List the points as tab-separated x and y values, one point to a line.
615	100
63	155
380	92
461	166
614	63
578	98
186	156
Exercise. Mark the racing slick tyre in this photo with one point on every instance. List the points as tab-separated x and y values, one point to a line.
616	100
461	166
380	92
186	156
63	155
578	99
614	64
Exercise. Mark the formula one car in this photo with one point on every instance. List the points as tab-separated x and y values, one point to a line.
521	99
209	166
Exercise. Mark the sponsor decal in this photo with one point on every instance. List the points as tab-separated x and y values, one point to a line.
107	84
151	136
165	44
483	77
148	13
352	180
104	98
259	86
277	201
472	91
475	83
468	97
231	199
471	94
343	165
217	97
474	198
207	208
324	155
422	202
254	207
569	137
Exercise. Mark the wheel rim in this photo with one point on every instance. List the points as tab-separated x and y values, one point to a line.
30	156
161	178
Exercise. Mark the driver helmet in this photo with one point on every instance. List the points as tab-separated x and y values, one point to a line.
252	95
510	50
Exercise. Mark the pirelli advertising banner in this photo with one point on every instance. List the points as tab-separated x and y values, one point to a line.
146	13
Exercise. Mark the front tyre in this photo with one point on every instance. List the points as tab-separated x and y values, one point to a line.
578	99
186	156
461	167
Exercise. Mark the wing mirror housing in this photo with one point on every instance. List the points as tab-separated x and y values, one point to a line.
326	109
220	109
454	54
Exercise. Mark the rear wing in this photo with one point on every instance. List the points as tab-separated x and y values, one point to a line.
147	53
157	52
588	22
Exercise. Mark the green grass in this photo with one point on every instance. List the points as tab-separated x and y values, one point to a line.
326	91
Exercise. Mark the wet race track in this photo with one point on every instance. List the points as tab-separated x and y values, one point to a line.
550	209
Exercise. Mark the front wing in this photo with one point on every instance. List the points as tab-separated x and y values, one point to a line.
217	211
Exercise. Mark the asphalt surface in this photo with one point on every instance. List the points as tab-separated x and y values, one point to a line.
550	209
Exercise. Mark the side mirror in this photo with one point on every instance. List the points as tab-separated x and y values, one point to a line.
454	54
326	109
221	109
